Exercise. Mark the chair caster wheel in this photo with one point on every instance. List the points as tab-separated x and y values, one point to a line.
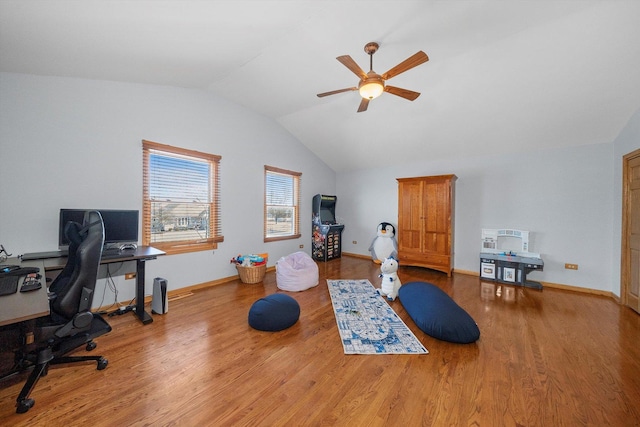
102	363
24	405
91	345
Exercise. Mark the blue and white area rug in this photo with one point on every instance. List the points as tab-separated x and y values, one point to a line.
367	324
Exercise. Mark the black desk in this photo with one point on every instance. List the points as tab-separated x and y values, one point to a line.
140	255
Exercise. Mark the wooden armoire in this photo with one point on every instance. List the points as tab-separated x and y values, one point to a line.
425	222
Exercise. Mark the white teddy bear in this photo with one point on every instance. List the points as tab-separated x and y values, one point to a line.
390	280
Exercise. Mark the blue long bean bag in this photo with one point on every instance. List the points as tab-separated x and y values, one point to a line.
436	314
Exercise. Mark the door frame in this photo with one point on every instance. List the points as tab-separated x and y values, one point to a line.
625	256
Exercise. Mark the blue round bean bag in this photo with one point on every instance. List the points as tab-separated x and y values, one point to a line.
274	313
436	314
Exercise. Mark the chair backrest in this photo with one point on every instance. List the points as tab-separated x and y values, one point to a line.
74	286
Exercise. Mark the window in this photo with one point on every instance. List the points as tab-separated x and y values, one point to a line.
281	204
180	199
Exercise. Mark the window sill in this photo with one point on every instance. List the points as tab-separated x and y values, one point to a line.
182	248
277	239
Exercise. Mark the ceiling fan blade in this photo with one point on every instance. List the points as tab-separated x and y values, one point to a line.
407	64
363	105
333	92
348	62
403	93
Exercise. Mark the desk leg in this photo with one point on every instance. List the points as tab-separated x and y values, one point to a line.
144	317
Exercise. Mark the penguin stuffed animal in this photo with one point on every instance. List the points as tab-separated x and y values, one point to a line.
384	245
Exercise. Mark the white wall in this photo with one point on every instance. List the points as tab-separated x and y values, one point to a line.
77	144
563	196
72	143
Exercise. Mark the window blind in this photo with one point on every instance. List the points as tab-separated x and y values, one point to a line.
281	206
181	198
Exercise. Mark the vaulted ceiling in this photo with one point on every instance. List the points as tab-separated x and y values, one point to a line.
503	76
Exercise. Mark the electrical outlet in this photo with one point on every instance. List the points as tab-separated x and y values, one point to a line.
571	266
355	242
301	246
130	276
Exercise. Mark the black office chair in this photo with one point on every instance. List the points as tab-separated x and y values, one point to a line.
70	324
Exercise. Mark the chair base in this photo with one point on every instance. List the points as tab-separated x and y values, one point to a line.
24	402
55	354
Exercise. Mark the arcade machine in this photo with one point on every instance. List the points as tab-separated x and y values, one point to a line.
326	234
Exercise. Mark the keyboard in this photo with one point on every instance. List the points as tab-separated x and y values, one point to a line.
9	276
44	255
109	254
8	285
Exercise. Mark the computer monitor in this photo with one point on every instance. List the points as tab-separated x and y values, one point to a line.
120	226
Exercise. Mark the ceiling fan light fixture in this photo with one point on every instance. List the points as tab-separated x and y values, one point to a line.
371	90
371	87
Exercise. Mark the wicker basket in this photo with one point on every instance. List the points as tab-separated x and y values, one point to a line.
253	274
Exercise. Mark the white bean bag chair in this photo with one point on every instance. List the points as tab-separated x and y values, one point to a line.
296	272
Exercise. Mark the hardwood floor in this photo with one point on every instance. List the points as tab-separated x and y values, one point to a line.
544	358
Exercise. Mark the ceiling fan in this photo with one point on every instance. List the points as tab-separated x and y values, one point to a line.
372	84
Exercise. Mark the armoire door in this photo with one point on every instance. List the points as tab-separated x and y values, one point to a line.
410	218
437	221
